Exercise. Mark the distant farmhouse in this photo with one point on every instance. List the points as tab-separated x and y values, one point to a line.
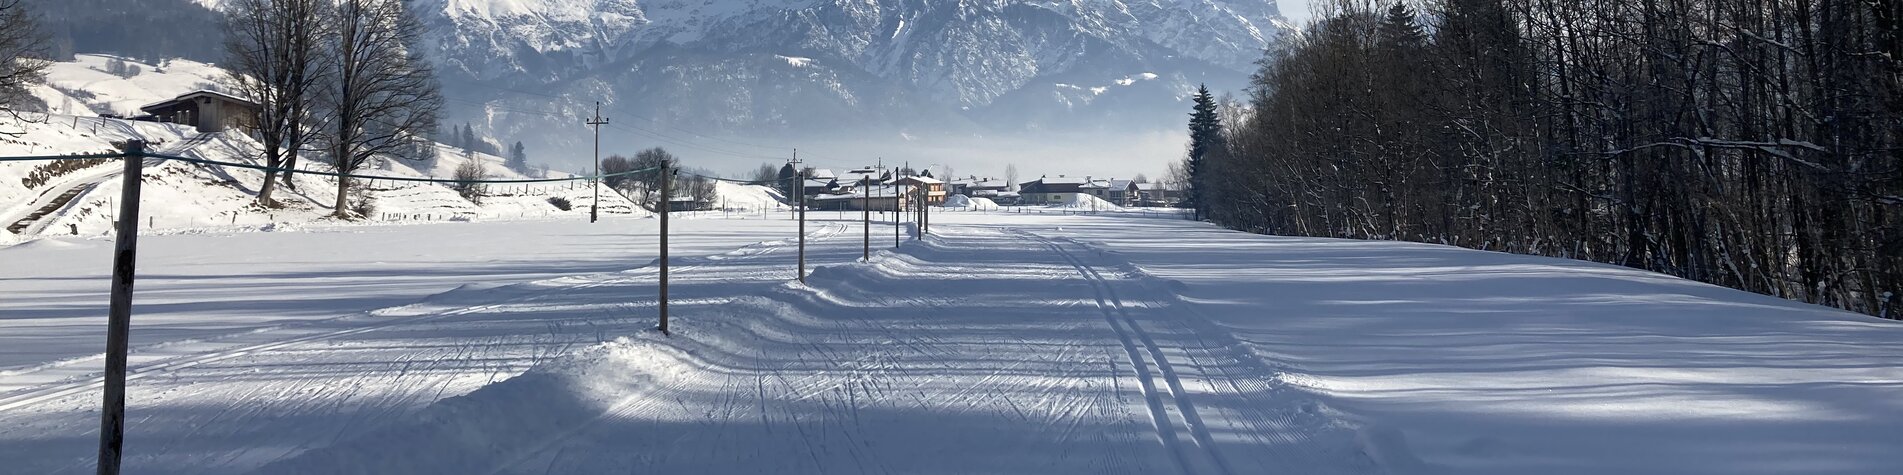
208	111
998	191
1052	190
934	188
1062	189
1156	195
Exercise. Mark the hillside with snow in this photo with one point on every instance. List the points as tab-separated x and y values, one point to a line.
183	197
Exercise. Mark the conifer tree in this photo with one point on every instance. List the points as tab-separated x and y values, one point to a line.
1205	139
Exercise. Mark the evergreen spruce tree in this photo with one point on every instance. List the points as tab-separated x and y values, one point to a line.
1205	140
787	186
518	158
468	138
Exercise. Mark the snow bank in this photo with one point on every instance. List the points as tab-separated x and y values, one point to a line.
753	197
970	204
1084	201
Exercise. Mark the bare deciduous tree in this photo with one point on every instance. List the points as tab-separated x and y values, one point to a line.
272	49
466	178
22	63
382	97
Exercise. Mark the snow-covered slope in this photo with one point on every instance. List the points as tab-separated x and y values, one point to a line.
737	196
180	197
85	81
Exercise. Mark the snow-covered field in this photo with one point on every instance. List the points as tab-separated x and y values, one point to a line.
1005	343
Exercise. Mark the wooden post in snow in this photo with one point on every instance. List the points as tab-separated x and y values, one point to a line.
801	190
112	418
865	183
898	220
667	175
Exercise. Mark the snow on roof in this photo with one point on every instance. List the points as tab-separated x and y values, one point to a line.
875	192
1151	186
823	173
923	179
189	95
1062	180
862	174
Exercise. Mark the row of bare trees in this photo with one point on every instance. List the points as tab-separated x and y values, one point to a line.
644	188
342	78
22	62
1756	144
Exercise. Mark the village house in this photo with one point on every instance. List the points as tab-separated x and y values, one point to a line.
984	188
1120	192
1052	190
1156	195
876	198
934	188
207	111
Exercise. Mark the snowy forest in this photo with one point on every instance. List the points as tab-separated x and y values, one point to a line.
1752	144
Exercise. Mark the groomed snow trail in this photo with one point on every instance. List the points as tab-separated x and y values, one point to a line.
981	351
1005	343
258	396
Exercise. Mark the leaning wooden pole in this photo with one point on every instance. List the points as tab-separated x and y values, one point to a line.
801	189
898	220
667	175
866	219
112	419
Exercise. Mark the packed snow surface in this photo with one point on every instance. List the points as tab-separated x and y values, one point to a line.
1002	343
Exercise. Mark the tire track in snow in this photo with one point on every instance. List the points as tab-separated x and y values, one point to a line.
1114	312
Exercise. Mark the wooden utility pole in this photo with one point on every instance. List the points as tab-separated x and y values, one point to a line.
865	183
667	175
898	220
112	419
800	189
594	209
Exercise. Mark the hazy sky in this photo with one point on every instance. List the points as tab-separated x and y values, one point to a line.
1295	10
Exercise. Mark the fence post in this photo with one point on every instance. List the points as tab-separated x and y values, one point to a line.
667	175
800	190
866	212
898	219
112	419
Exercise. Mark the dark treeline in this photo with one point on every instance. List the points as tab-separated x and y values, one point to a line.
147	30
1747	143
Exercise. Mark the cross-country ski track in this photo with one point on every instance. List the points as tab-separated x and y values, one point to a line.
1002	344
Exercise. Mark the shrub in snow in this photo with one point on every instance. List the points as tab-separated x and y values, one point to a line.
48	171
561	203
466	176
364	205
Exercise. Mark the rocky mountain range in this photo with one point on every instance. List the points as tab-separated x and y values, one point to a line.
733	78
684	70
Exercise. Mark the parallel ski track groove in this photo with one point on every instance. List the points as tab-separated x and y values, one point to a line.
1119	319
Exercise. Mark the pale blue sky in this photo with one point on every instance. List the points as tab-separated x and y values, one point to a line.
1295	10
